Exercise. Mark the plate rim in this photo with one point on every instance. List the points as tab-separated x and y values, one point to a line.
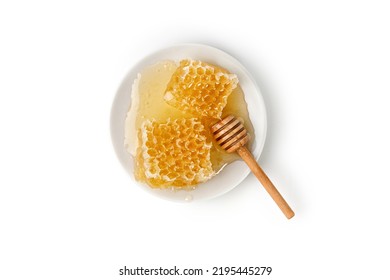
147	59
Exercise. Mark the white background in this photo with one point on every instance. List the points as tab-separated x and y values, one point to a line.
68	210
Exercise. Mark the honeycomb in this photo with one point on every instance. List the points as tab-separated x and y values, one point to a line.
200	88
174	154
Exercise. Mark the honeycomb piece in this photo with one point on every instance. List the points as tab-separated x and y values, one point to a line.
174	154
199	88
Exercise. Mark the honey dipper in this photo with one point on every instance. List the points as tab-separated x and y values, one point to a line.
232	136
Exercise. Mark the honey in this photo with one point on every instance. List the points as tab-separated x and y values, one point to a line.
174	154
200	88
171	142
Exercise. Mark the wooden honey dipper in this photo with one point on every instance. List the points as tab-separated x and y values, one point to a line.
232	136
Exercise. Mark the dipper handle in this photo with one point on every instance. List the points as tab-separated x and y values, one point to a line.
232	136
246	155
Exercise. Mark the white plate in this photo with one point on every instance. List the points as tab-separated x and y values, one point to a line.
234	173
